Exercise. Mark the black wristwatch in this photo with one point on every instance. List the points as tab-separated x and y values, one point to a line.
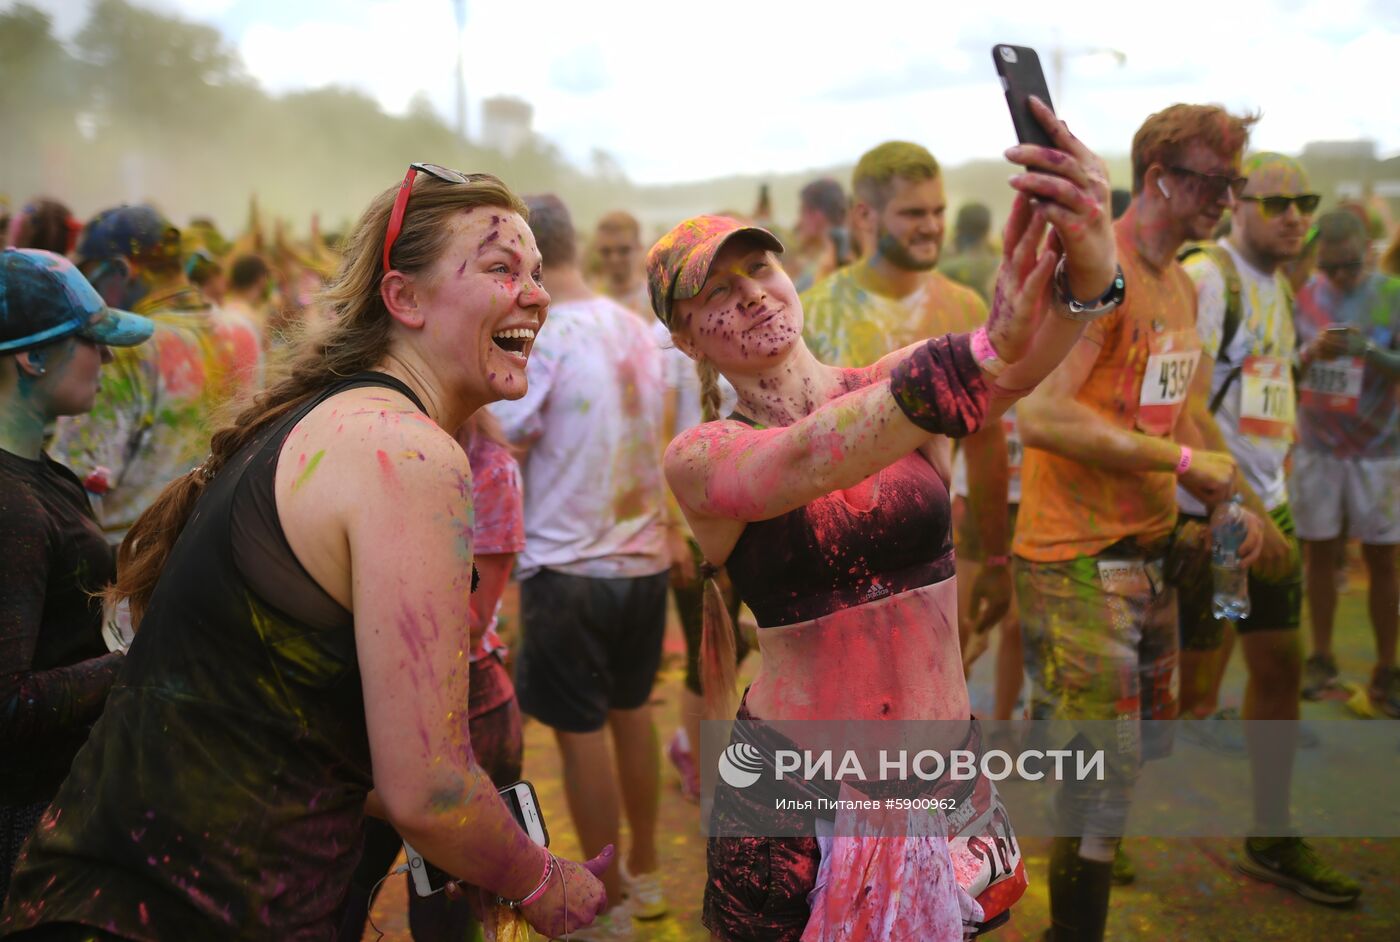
1077	310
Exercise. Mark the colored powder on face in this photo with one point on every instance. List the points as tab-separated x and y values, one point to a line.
310	468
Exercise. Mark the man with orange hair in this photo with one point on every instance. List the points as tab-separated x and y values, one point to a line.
1107	441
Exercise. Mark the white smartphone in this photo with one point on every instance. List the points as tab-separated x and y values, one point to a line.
427	879
520	799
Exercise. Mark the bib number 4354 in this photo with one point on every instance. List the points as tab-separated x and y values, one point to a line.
1165	383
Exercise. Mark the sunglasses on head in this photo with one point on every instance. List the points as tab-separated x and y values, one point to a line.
1213	185
1271	206
445	174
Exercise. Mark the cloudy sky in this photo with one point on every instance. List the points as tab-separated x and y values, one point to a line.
681	92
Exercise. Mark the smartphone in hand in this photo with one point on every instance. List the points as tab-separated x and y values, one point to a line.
521	800
523	804
1021	77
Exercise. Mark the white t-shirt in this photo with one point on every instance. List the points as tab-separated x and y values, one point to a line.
592	423
1266	329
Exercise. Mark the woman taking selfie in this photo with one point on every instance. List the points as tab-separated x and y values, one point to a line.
824	498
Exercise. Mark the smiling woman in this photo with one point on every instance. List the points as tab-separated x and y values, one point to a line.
302	602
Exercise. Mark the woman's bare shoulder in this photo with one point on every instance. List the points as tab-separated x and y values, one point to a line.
373	434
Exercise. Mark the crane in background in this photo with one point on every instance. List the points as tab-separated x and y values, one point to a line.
459	7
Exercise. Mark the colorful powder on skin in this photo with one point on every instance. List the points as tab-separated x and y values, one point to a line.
386	467
309	468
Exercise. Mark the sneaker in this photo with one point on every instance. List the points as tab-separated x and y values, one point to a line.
684	760
1291	862
642	893
1123	872
1319	676
615	925
1220	732
1385	690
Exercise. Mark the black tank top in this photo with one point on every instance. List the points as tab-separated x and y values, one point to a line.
889	534
221	794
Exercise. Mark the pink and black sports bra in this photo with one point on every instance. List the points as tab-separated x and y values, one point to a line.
889	534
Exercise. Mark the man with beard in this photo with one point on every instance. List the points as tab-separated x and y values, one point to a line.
1242	402
894	297
1108	439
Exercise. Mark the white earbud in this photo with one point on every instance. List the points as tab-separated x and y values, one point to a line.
1163	187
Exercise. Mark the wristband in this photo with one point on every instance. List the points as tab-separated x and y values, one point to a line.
1077	310
1000	560
537	892
984	353
1183	464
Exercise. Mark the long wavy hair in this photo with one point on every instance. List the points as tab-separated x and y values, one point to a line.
357	339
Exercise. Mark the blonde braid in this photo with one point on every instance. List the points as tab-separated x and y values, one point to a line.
709	389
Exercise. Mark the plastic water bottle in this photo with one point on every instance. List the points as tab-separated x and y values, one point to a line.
1227	532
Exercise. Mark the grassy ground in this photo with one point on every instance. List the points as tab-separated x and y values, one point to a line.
1186	889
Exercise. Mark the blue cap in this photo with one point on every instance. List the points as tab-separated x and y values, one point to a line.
44	298
126	232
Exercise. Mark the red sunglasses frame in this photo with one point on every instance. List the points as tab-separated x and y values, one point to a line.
445	174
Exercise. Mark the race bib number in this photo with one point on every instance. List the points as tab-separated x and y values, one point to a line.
1165	384
1334	385
986	855
1014	449
1124	577
1266	398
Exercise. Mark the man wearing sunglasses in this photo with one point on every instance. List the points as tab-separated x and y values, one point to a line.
1346	470
1243	403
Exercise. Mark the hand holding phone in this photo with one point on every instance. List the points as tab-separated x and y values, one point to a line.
520	798
1340	340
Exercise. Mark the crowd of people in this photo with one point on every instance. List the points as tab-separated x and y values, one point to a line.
261	500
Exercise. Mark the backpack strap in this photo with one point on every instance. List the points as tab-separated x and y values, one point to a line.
1234	308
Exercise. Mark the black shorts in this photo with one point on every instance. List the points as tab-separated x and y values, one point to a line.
588	646
1272	605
